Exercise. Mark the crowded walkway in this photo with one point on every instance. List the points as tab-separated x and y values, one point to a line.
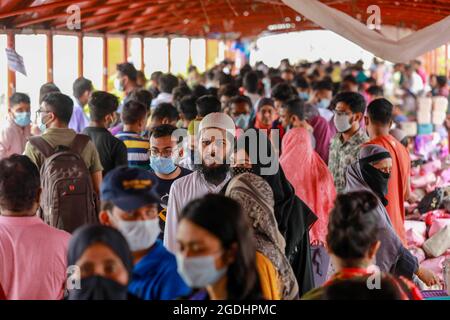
226	188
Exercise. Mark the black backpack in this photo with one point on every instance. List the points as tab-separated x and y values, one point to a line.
68	200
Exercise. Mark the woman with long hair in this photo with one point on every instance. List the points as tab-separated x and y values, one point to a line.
216	250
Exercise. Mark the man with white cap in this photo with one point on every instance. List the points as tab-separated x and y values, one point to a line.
216	141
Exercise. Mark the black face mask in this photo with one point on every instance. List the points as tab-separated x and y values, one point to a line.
99	288
235	171
376	179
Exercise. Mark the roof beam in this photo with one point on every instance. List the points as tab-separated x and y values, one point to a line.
29	22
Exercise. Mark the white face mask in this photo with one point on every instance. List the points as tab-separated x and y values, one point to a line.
342	122
199	272
141	234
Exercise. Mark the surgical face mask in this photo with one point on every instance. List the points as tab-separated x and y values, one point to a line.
42	125
98	288
242	121
22	119
162	165
324	103
118	85
342	122
199	272
304	96
140	234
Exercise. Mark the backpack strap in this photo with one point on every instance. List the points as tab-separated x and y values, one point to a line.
79	143
42	146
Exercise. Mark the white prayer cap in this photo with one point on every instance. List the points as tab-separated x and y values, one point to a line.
218	120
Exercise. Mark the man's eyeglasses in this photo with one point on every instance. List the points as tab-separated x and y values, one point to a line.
341	113
167	153
40	111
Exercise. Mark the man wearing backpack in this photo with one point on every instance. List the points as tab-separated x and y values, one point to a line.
71	171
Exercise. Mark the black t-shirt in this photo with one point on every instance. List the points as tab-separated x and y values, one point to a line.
163	189
112	151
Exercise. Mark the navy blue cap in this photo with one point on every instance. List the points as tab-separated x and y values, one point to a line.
129	188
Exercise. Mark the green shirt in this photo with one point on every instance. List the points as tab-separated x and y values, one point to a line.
342	154
64	137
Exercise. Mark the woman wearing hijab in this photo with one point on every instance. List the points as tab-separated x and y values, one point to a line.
265	115
313	183
294	218
102	255
371	173
256	199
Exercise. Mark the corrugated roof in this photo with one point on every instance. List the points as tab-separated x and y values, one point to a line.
206	18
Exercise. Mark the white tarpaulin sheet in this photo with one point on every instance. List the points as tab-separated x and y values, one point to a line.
402	50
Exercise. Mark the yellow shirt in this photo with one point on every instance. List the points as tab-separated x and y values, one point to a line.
267	277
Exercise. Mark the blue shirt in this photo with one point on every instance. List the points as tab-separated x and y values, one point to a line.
155	277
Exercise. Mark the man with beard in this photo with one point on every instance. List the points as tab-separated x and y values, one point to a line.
216	136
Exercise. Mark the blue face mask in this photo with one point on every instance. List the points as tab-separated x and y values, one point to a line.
22	119
304	96
242	121
324	103
162	165
199	272
42	125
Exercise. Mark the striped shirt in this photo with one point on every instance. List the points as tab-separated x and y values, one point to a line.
137	149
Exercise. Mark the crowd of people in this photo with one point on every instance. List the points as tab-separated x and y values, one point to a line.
261	184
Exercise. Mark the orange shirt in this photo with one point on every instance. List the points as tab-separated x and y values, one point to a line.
398	182
267	277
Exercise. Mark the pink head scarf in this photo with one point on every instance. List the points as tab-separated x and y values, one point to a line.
312	181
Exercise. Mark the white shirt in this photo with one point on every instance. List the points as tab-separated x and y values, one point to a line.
416	83
182	191
163	97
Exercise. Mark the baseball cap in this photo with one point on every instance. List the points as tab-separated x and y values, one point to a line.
129	188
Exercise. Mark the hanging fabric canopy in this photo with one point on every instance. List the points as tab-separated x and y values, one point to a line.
403	50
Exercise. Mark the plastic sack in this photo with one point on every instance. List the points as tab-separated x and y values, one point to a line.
437	225
438	244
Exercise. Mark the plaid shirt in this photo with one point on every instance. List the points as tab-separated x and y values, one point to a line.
343	154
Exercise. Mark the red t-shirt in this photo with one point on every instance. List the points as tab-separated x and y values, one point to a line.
398	182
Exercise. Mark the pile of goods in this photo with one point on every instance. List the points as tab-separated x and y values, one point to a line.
428	239
427	222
